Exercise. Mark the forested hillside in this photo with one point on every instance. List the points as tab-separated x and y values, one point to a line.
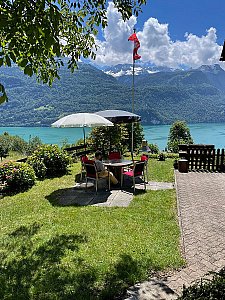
160	98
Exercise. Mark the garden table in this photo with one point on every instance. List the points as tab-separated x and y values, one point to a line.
116	166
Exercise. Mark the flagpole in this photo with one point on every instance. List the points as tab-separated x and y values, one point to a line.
132	125
134	39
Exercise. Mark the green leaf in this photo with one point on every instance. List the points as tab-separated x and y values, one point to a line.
28	70
13	57
8	61
22	63
41	31
95	31
56	49
31	31
3	96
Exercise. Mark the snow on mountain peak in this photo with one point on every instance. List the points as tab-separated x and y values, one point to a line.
146	68
127	70
210	68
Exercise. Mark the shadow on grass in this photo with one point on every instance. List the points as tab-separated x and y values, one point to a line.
78	177
56	174
32	271
55	197
128	185
31	268
77	197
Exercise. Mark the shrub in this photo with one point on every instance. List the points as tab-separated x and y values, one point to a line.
153	148
172	155
18	144
33	144
174	145
39	168
13	143
206	289
161	156
17	177
49	161
119	135
4	152
167	155
179	134
175	164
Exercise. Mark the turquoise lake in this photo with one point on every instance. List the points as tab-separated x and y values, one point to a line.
202	133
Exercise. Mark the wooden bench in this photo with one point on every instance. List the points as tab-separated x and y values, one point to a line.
22	159
80	150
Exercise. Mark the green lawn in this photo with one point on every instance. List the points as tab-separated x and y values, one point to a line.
52	252
13	155
161	170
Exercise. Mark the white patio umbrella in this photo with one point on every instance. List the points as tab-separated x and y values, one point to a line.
82	120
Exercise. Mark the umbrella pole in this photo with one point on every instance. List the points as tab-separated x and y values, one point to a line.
84	136
110	140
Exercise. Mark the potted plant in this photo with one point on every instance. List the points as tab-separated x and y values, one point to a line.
161	156
175	164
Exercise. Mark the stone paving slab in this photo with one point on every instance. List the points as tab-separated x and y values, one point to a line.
79	195
201	211
103	198
152	289
155	186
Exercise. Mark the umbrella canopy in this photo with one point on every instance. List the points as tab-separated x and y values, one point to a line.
82	120
119	116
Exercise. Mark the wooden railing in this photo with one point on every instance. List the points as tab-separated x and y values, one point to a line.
203	157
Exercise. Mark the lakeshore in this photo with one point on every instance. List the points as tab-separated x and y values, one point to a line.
202	133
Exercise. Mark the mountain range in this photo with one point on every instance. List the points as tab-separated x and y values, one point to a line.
161	95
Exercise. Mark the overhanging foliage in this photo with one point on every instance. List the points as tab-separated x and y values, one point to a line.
36	34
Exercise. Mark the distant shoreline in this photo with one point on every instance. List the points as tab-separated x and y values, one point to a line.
202	133
161	124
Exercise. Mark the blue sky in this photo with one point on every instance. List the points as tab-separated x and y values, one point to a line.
192	16
173	33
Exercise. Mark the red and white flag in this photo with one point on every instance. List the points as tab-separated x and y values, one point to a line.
134	39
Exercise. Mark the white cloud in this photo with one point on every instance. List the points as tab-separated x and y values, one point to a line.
115	48
156	45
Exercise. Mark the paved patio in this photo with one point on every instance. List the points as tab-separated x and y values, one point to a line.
81	196
201	211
